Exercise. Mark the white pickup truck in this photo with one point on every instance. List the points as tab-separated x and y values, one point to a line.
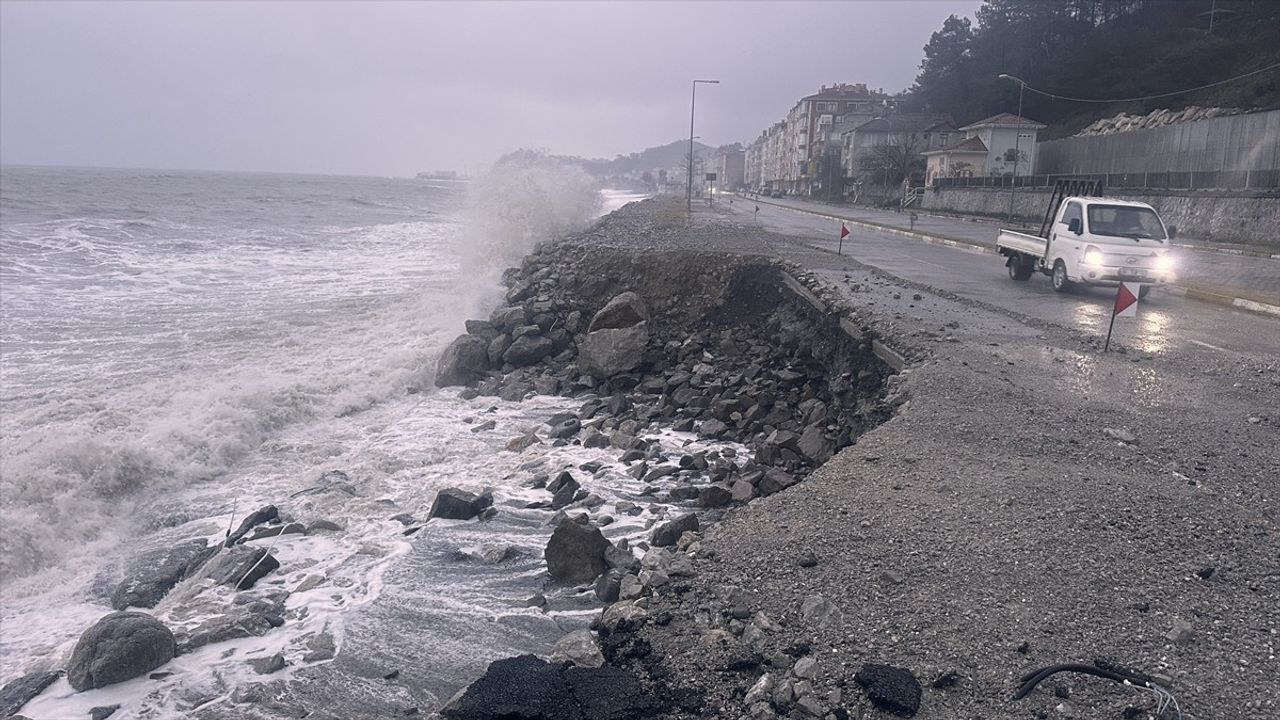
1094	241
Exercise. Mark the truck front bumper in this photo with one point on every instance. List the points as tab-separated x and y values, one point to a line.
1099	274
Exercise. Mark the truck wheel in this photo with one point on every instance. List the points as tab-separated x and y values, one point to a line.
1061	283
1144	290
1020	268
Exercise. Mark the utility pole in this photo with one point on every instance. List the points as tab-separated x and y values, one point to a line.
1017	139
693	104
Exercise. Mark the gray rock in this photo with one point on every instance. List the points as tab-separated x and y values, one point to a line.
713	496
482	328
102	712
119	647
576	552
292	528
713	429
240	566
456	504
565	428
820	612
20	691
524	442
250	615
527	350
776	480
891	689
623	311
609	352
152	574
323	525
506	319
805	667
579	648
593	438
608	586
259	516
496	348
742	491
813	444
267	665
465	360
320	647
669	533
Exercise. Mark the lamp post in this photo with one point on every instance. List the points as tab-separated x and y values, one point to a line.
693	103
1017	138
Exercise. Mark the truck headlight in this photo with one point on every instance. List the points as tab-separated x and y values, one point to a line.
1164	263
1093	256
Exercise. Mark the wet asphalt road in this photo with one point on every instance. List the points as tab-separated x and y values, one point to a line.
1166	322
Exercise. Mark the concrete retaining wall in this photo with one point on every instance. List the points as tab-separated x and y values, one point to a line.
1221	217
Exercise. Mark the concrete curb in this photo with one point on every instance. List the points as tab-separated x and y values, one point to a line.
1189	290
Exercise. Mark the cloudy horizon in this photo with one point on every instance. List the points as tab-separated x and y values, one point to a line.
398	88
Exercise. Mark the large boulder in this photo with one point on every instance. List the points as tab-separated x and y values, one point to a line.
527	350
19	691
528	688
576	552
119	647
622	311
609	352
465	360
455	504
668	533
241	566
152	574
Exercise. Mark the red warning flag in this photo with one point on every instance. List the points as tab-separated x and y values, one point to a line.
1126	300
844	231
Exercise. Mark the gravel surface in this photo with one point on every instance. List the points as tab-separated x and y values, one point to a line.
1035	502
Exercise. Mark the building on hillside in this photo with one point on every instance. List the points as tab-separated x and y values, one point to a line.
1001	133
732	169
966	157
795	155
884	150
997	139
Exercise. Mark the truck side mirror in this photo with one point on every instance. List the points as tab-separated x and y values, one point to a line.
1073	225
1173	231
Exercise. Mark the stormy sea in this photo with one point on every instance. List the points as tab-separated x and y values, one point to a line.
180	349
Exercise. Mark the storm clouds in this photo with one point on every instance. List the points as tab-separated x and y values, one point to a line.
396	88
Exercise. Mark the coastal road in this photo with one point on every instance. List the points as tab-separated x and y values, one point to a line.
1166	322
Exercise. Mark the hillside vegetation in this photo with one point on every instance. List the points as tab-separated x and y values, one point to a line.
1100	49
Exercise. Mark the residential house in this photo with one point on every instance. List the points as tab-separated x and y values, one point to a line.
966	157
892	145
1008	144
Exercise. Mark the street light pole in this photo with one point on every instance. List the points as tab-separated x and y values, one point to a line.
693	103
1017	139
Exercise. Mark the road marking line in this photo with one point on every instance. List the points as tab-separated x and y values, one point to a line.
1211	347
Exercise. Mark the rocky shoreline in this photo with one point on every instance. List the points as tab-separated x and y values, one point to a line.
729	347
763	572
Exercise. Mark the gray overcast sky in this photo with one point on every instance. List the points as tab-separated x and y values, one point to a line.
391	89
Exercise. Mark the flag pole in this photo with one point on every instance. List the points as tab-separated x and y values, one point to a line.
1107	344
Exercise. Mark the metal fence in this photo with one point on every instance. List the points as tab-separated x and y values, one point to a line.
1233	152
1202	180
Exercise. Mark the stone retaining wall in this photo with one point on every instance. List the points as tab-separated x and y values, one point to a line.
1221	217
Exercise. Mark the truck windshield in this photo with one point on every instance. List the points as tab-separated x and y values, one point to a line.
1125	221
